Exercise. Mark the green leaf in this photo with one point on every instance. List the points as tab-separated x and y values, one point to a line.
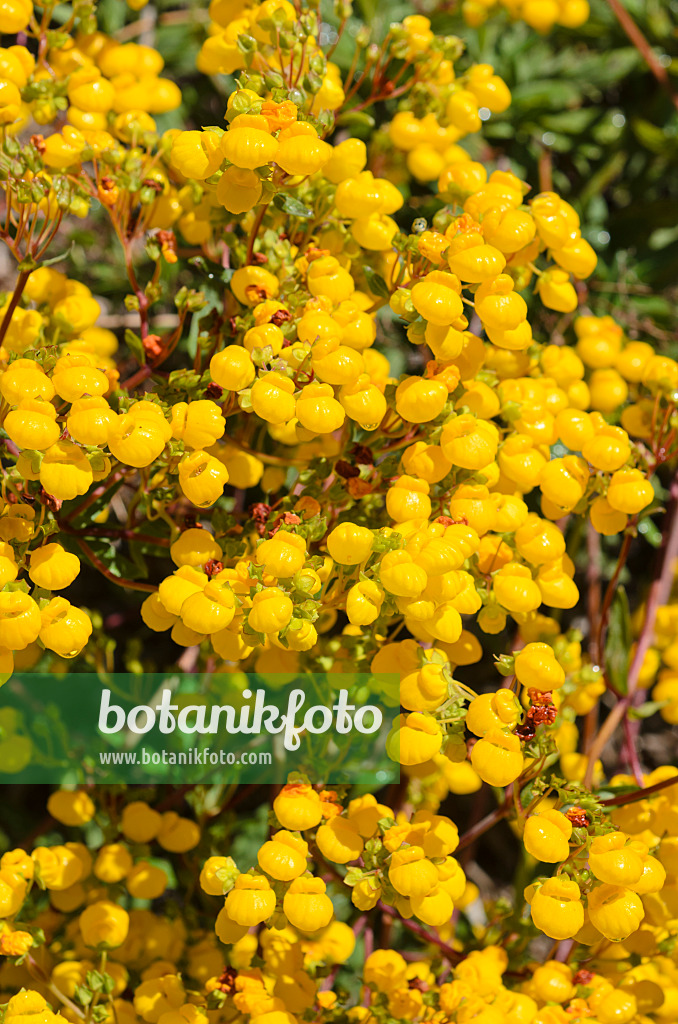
376	284
650	532
57	259
356	119
549	94
295	208
83	995
648	709
315	529
571	122
139	561
618	642
99	982
600	69
652	137
135	345
353	876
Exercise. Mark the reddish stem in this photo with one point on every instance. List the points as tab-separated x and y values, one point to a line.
117	534
137	378
109	482
148	588
545	168
253	234
13	302
485	824
661	585
452	954
594	590
630	752
642	45
610	592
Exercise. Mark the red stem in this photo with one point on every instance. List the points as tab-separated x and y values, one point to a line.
109	482
13	302
661	585
594	590
253	234
485	824
630	752
137	378
148	588
609	593
452	954
116	534
639	794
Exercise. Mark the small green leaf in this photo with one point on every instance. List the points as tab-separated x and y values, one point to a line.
618	642
83	995
653	138
376	284
135	345
648	709
294	207
57	259
650	532
356	118
353	876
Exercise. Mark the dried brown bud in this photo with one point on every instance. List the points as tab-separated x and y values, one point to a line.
260	513
539	715
214	391
226	981
50	502
526	731
280	317
362	455
579	819
346	470
358	488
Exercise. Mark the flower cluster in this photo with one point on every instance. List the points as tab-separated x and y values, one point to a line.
372	442
107	90
92	935
452	451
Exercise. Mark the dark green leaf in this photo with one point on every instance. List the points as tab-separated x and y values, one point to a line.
135	345
650	532
618	642
356	118
553	95
376	284
295	208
